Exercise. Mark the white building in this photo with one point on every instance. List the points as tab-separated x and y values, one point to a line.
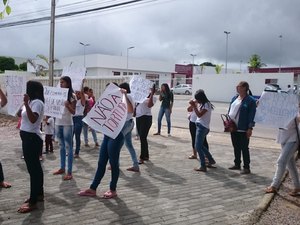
99	65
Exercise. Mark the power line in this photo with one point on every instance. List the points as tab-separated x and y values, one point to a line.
23	22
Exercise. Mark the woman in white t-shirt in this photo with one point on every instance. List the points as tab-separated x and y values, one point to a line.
64	130
32	142
289	141
3	184
144	123
203	111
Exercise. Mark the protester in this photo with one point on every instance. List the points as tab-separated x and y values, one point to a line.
64	130
3	184
49	132
203	111
127	130
192	127
32	142
90	102
289	140
242	111
77	120
144	123
109	150
167	98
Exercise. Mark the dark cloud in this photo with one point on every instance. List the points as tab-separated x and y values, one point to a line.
171	30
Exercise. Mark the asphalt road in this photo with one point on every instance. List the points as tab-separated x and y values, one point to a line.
179	117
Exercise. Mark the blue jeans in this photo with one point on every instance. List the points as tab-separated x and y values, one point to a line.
286	159
65	137
109	150
85	128
201	133
161	113
77	120
127	132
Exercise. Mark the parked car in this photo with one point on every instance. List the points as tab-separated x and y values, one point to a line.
272	87
182	89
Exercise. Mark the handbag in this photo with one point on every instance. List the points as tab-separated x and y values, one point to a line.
229	124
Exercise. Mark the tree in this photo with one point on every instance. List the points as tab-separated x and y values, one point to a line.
255	62
7	63
23	66
218	68
6	9
39	68
207	64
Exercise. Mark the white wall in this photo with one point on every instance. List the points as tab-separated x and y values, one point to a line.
222	87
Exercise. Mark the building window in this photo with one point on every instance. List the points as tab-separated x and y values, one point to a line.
116	73
136	74
125	73
130	73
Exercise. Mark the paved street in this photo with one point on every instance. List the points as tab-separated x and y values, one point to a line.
167	191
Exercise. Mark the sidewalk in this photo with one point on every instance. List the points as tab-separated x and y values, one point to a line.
167	191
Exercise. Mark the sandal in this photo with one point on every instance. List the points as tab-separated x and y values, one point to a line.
133	169
201	169
68	177
192	157
295	192
270	189
26	208
110	194
87	192
5	185
60	171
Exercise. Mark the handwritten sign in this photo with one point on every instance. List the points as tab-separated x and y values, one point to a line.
109	113
276	109
15	88
55	101
140	88
77	74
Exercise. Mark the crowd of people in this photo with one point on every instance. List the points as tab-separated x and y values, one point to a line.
242	110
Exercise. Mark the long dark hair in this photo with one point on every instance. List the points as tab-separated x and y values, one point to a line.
35	90
167	89
68	80
200	96
125	86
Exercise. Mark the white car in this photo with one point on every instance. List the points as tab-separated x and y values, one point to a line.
182	89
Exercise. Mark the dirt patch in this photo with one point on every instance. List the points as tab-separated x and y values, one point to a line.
8	126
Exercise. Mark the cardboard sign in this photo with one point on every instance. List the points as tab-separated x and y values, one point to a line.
77	74
15	88
140	88
109	113
276	109
55	99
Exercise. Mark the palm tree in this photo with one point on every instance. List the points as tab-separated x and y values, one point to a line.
255	62
218	68
40	70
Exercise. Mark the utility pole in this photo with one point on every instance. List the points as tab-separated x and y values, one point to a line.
227	33
280	52
51	53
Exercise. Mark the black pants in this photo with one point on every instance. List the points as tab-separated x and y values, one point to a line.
240	144
192	127
143	125
32	145
1	173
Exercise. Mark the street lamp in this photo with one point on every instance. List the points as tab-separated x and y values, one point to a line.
280	49
84	45
193	55
127	58
227	33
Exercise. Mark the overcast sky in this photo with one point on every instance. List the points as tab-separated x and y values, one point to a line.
168	30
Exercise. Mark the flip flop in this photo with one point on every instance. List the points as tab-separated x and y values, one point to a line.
192	157
270	189
87	193
295	193
26	208
5	185
110	194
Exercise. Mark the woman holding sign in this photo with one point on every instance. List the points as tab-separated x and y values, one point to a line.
64	130
109	151
3	184
32	142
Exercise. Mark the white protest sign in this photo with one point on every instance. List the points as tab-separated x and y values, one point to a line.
15	88
55	101
276	109
109	113
140	88
77	74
